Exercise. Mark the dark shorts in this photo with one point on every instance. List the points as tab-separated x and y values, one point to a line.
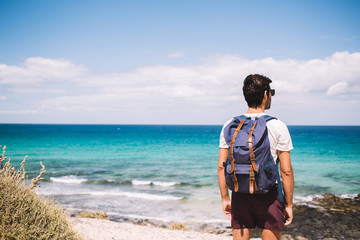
257	210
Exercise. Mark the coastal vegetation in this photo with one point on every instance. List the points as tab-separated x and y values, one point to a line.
178	226
25	215
97	215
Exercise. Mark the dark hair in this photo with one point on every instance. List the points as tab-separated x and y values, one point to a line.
254	87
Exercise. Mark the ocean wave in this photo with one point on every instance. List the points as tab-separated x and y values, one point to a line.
165	184
147	196
156	183
167	219
352	196
71	179
108	181
138	182
310	198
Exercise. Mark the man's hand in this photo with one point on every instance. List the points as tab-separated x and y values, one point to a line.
288	215
226	203
287	179
227	208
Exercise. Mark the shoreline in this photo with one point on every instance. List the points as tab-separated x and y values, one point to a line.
217	228
326	217
96	229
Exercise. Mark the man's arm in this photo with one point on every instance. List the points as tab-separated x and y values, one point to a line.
287	179
223	155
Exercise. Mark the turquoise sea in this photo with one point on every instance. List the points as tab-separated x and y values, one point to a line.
166	172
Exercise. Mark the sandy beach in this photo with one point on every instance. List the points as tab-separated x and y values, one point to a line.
95	229
329	217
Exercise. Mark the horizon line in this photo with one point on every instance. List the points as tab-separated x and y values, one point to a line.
171	124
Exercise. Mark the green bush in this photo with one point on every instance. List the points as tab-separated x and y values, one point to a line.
25	215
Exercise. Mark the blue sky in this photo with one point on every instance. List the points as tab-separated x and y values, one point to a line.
176	62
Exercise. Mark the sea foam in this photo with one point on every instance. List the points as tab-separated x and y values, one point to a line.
310	198
146	196
156	183
71	179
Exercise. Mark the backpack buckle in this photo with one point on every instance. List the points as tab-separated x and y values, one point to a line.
252	176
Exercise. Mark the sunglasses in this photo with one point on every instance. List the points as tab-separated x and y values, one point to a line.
272	92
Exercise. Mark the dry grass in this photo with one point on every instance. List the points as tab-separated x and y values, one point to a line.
97	215
178	226
25	215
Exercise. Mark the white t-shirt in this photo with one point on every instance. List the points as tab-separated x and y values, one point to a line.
278	135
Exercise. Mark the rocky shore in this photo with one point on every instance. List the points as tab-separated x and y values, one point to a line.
327	217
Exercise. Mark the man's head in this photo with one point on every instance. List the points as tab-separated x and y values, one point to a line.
255	88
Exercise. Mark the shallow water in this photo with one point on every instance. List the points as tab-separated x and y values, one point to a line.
166	172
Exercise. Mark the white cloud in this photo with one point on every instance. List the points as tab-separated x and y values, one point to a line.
3	98
38	90
338	88
177	54
39	70
186	91
63	86
18	112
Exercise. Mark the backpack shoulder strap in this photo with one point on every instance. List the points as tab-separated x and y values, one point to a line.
268	118
232	170
280	188
231	126
253	169
239	118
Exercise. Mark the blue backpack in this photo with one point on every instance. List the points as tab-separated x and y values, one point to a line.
250	167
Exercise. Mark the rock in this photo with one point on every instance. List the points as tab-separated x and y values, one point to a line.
287	237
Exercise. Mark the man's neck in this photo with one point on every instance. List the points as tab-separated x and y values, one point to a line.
256	110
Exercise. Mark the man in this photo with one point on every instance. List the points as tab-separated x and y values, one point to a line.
247	211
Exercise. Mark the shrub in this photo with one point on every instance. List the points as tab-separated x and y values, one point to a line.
98	215
25	215
178	226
